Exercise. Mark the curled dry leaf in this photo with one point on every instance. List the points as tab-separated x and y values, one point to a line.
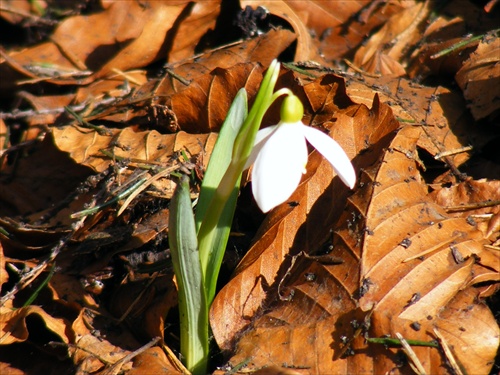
16	11
286	10
148	46
152	361
441	113
448	39
92	352
123	36
476	200
14	325
334	26
384	53
479	78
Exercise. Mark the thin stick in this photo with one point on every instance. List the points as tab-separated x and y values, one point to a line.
455	151
415	362
448	353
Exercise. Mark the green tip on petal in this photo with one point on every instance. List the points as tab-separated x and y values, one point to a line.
292	109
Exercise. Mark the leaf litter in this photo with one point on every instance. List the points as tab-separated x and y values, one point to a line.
93	124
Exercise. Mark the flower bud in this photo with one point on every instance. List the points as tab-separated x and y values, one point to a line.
292	109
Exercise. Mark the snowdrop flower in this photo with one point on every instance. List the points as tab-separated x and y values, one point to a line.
279	156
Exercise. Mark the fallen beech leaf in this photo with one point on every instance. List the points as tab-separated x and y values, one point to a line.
305	47
14	325
441	112
450	28
69	291
475	196
84	145
147	47
196	20
152	361
388	221
15	11
337	26
469	198
110	29
91	348
479	78
470	330
44	175
383	54
174	106
202	107
151	303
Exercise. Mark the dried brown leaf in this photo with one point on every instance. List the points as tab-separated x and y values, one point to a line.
4	276
384	53
14	325
92	352
15	11
479	78
388	221
152	361
305	48
455	23
172	105
440	111
44	175
148	46
84	146
470	331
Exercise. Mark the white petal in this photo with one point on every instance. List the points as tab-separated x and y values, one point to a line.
260	140
332	152
279	166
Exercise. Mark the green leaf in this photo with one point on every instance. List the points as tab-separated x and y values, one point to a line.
213	244
193	308
221	154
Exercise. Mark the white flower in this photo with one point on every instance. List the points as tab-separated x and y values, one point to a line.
279	156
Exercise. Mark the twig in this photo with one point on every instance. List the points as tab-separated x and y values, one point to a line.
33	18
129	309
432	249
472	206
93	210
361	71
440	155
415	362
163	173
176	362
397	342
117	366
33	274
16	114
447	352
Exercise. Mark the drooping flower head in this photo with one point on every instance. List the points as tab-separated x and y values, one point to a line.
279	156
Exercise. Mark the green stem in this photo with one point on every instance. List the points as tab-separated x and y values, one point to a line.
396	342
